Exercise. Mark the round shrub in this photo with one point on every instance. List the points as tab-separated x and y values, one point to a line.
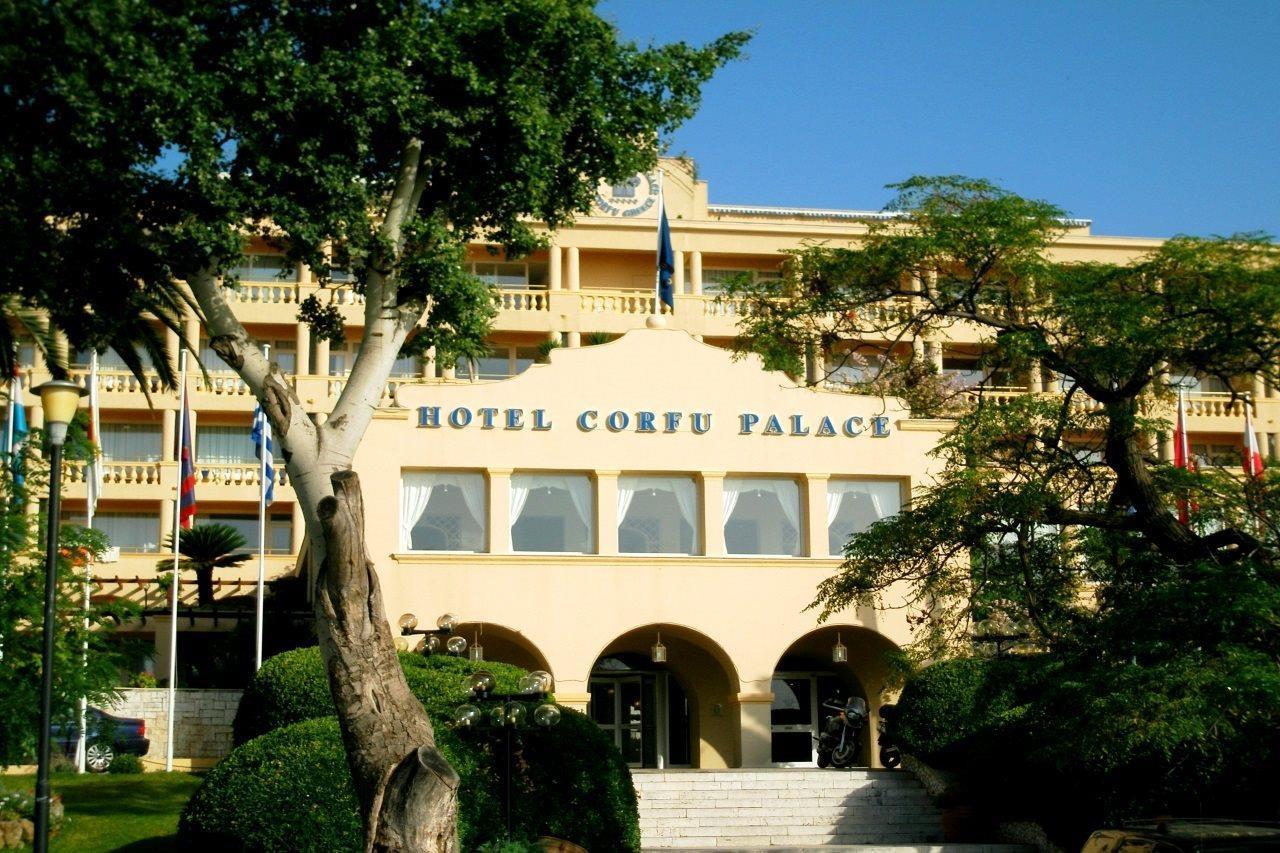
125	764
569	781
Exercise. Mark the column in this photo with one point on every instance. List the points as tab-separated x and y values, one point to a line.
812	368
429	363
757	728
573	339
1035	377
572	272
695	273
302	349
677	283
321	367
166	527
1272	448
304	274
713	513
813	493
499	510
299	522
1259	387
935	355
168	434
607	512
171	345
555	279
192	331
1165	438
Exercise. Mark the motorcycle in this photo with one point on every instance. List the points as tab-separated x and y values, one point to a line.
838	741
890	752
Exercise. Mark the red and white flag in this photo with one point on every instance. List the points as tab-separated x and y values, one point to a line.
1182	454
1253	464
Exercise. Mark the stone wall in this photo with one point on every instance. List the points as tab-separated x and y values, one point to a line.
204	721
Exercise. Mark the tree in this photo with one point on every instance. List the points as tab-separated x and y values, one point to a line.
376	139
204	548
1052	516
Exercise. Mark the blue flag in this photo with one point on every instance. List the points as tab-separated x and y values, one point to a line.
17	427
666	260
261	435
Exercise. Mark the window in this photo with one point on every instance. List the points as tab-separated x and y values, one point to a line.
715	280
131	442
657	515
442	511
406	366
501	362
761	516
128	531
854	505
224	445
279	531
552	512
109	360
1217	455
510	274
1193	384
261	267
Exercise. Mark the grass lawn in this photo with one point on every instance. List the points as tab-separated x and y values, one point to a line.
106	812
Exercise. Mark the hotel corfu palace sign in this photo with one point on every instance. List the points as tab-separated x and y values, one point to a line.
650	422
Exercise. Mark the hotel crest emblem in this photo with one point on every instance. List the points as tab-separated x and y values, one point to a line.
632	197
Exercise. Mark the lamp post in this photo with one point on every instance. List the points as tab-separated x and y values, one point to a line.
59	399
504	714
440	638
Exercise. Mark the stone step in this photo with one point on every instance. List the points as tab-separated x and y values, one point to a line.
860	848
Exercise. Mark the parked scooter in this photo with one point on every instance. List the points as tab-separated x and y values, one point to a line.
890	752
838	741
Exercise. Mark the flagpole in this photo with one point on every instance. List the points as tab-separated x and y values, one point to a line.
90	508
262	527
173	588
657	271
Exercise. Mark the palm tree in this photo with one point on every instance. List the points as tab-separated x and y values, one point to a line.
204	548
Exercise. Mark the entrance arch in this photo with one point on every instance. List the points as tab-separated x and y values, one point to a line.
504	645
674	713
806	675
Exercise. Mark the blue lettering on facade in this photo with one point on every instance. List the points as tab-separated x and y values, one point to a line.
701	422
515	419
825	427
748	421
460	417
879	427
644	422
587	420
540	422
797	425
487	417
617	421
773	426
672	420
853	426
429	417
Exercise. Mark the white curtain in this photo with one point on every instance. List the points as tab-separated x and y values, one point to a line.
786	492
415	494
131	442
884	497
682	488
627	488
577	485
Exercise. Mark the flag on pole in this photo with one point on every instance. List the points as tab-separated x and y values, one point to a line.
186	469
95	430
1253	464
666	257
15	432
1182	454
264	450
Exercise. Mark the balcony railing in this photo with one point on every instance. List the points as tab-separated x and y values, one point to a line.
519	299
129	473
235	474
624	302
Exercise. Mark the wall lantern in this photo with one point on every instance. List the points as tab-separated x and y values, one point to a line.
839	652
658	652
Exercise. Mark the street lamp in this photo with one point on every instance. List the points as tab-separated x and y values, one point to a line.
59	400
441	638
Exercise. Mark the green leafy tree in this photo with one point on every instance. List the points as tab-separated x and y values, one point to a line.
1052	517
372	138
204	548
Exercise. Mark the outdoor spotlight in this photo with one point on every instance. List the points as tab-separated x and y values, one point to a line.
839	652
447	622
456	645
546	715
498	716
466	715
59	399
408	622
401	644
480	682
432	644
658	652
544	680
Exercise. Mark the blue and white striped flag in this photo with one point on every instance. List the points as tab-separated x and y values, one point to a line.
261	435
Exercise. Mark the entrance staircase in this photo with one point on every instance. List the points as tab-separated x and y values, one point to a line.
788	809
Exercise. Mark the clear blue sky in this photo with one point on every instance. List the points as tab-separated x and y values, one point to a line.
1151	118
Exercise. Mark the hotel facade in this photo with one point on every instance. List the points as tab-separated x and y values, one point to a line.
634	511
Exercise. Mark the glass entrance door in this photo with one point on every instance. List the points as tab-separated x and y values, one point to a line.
618	707
797	714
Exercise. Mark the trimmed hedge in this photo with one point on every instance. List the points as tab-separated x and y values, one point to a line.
289	787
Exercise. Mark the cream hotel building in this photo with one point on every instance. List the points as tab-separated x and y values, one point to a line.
640	489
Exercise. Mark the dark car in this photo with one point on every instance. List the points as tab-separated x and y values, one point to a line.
1186	836
107	737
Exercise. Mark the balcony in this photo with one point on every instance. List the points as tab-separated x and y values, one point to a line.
158	481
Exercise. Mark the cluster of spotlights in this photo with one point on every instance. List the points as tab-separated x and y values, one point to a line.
488	709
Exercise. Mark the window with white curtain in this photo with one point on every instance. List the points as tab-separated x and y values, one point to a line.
224	445
279	531
131	442
128	531
761	516
855	505
256	266
552	512
657	515
443	511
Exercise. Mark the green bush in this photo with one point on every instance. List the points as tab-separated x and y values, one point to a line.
570	781
125	764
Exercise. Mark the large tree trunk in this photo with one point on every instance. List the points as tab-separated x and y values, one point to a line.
407	790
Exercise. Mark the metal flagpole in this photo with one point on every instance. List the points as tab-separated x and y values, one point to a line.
173	589
262	524
657	269
82	744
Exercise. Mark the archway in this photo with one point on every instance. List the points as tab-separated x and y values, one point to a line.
807	675
504	645
677	712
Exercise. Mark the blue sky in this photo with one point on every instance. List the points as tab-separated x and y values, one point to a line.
1151	118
